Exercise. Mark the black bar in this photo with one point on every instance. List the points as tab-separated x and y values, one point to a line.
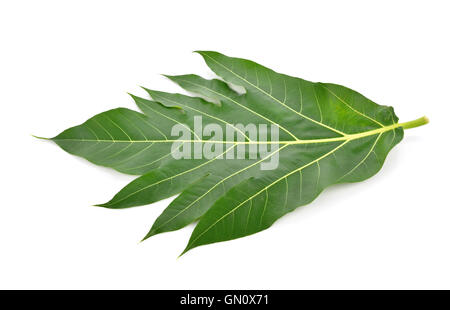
223	299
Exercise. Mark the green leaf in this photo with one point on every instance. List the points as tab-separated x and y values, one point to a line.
328	134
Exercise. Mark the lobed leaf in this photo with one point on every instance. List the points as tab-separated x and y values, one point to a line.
328	134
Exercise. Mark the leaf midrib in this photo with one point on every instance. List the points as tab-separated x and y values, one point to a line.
347	137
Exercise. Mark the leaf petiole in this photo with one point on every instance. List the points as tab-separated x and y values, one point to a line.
415	123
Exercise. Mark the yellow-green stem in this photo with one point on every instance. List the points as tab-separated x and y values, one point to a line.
415	123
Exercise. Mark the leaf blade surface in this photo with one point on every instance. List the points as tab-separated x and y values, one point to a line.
328	134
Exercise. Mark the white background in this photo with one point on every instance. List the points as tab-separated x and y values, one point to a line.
61	62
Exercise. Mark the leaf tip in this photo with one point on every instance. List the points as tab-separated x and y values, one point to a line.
132	96
202	53
186	249
148	235
41	138
103	205
173	78
149	91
